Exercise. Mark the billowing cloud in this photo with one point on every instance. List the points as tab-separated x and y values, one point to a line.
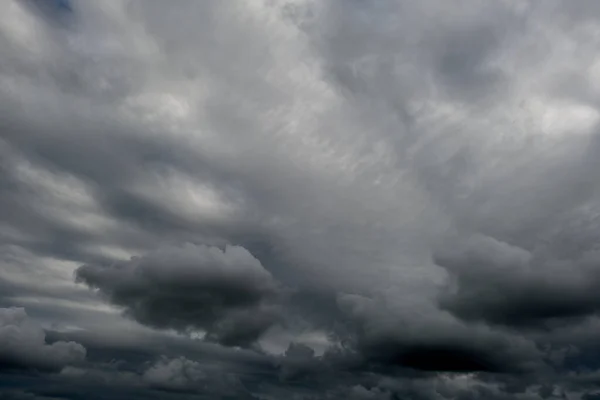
183	375
23	345
431	340
316	200
225	292
495	282
178	373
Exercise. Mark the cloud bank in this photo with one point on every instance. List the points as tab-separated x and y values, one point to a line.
299	199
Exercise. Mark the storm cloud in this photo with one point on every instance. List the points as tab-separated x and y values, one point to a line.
299	199
224	292
23	345
499	283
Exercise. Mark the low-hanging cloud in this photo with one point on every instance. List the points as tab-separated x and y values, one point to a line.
225	292
411	188
23	345
498	283
430	340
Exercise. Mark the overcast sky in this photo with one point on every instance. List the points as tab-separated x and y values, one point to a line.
300	199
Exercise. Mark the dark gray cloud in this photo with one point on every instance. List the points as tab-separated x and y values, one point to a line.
175	374
23	345
410	187
503	284
224	292
435	341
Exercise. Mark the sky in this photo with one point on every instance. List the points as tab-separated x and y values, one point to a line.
300	199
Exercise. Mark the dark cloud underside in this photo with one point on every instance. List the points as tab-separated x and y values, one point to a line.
299	199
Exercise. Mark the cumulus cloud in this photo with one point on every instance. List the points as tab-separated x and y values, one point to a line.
184	375
298	359
225	292
495	282
420	177
431	340
361	393
178	373
23	345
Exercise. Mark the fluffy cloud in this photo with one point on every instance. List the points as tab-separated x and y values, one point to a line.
226	293
23	345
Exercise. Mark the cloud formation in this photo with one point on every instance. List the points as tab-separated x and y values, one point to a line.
503	284
174	374
299	199
226	293
23	345
431	340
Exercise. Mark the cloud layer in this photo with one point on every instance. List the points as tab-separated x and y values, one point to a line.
299	199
